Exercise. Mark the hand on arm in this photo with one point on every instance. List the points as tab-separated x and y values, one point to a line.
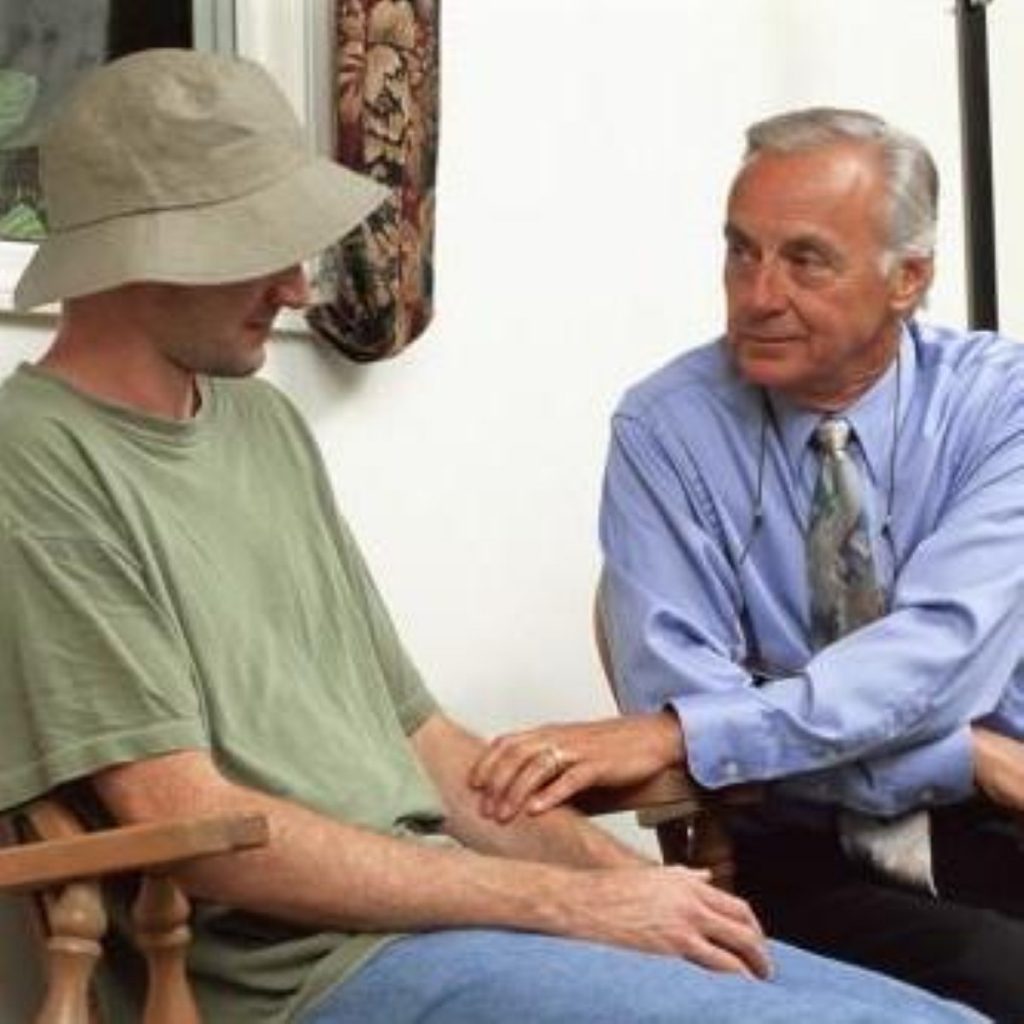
324	874
450	756
540	768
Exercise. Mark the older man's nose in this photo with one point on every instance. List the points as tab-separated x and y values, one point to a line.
767	288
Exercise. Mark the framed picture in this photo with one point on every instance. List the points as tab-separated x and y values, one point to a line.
46	44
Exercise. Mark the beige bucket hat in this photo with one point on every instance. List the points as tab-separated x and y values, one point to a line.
182	167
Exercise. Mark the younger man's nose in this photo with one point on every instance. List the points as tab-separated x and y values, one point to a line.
291	288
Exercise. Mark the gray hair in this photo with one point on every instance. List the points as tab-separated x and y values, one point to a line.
912	181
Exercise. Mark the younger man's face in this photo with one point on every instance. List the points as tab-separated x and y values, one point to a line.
218	330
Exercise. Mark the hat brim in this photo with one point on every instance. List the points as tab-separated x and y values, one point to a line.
259	233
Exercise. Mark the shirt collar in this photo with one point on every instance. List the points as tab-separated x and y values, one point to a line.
871	416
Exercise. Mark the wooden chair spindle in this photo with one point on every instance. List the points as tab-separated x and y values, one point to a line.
160	917
77	923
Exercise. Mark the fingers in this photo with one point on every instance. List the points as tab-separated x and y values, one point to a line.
727	934
733	907
738	942
533	782
714	958
503	758
719	958
513	769
562	789
494	772
542	767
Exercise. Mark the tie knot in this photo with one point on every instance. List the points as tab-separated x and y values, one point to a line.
832	434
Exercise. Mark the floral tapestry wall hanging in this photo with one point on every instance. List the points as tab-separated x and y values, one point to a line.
377	283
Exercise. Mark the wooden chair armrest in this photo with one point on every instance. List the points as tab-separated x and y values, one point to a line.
671	788
688	819
60	855
672	793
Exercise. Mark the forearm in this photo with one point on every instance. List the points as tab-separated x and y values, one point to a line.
932	774
882	693
562	835
323	873
326	875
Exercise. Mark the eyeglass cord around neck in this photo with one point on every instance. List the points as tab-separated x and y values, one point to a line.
768	421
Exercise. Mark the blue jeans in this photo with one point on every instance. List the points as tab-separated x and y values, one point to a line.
495	977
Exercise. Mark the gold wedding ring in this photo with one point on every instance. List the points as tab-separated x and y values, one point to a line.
557	758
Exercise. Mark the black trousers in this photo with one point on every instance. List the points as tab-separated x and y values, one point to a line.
968	944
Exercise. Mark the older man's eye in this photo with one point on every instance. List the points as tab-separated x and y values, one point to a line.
739	251
808	259
811	267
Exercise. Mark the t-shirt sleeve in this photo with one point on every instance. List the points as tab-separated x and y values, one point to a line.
93	672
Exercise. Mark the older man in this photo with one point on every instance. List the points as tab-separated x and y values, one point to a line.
814	576
186	626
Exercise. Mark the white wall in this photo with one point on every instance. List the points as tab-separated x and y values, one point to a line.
586	149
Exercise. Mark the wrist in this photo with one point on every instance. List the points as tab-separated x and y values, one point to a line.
667	732
550	903
571	906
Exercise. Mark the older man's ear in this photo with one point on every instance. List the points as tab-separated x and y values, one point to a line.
912	277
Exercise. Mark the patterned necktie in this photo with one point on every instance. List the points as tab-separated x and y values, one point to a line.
845	595
841	567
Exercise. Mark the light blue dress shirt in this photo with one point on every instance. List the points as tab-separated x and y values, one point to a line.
701	592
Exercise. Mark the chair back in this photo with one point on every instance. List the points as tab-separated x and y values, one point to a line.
59	867
689	820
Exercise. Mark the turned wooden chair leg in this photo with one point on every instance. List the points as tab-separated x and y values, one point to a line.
77	922
712	848
160	917
701	841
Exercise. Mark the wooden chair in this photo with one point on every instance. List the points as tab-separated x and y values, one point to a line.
62	866
691	821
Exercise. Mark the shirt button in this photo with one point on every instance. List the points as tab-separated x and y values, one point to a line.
731	769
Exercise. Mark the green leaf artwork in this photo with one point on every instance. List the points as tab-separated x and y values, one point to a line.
17	94
22	223
20	220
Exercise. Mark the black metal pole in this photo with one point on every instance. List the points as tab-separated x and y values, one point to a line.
976	150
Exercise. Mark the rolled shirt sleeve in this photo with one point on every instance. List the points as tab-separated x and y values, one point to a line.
939	772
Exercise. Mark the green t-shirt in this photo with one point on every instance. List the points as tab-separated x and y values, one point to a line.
168	585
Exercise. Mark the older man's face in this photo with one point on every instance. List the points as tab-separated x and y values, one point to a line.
813	311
